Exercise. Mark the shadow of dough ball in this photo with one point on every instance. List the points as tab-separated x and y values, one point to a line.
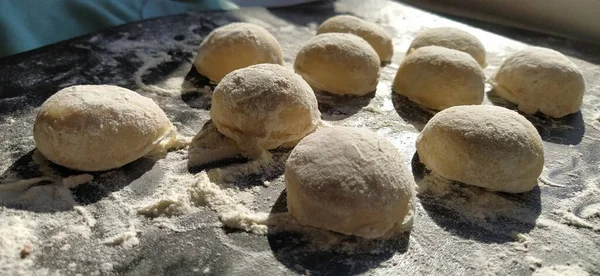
483	145
235	46
99	127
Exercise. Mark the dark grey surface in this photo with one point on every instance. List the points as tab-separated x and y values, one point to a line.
445	240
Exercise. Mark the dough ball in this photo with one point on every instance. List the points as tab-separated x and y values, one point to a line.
540	79
451	38
376	36
437	78
99	127
235	46
264	106
350	181
339	64
483	145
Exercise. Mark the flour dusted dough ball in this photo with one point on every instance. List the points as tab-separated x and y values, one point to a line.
350	181
264	106
376	36
339	63
235	46
451	38
99	127
486	146
540	79
437	78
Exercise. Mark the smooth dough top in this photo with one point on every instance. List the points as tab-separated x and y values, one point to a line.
339	63
451	38
235	46
541	79
99	127
483	145
437	78
376	36
348	180
264	106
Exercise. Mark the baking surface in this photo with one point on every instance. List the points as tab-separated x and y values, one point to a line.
98	228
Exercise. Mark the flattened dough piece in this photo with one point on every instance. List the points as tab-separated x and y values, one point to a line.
376	36
99	127
350	181
437	78
264	106
451	38
541	79
235	46
483	145
338	63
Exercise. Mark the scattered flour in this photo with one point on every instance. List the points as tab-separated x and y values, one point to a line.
45	198
127	239
16	237
591	211
533	261
47	216
520	237
561	270
473	203
106	267
573	220
164	207
173	84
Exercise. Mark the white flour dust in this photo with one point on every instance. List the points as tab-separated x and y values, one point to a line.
47	228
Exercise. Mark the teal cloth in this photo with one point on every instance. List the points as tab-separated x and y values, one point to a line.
29	24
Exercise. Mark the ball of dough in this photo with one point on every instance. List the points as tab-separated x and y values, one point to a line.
451	38
339	63
378	38
540	79
264	106
438	78
99	127
235	46
350	181
483	145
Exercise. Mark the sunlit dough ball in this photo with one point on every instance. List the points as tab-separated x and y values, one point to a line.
264	106
99	127
348	180
235	46
376	36
451	38
541	79
339	63
437	78
483	145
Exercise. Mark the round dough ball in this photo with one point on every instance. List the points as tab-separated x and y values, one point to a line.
339	63
264	106
350	181
99	127
451	38
540	79
437	78
235	46
483	145
378	38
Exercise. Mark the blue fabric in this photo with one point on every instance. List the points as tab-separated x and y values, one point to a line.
29	24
